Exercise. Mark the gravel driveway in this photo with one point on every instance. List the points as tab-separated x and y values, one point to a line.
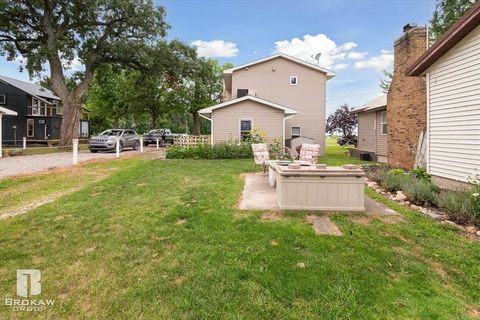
11	166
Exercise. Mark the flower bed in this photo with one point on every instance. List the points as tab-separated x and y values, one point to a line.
415	189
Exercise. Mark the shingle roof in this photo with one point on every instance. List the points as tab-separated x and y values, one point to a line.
377	103
30	88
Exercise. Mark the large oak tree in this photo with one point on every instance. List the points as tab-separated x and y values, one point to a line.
96	32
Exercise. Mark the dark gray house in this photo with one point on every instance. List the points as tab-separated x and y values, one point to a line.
39	113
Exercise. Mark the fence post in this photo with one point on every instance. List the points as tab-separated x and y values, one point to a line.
24	142
117	147
141	144
75	151
157	144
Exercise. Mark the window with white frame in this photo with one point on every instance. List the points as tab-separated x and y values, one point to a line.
3	98
30	128
35	107
59	107
245	128
296	132
293	80
383	122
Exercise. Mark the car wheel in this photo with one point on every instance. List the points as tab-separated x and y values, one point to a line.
145	144
136	145
93	151
121	146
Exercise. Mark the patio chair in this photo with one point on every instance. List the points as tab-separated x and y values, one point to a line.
260	155
309	153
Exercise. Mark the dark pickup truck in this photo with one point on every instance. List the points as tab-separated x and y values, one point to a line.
164	137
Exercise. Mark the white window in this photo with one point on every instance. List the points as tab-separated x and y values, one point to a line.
30	128
246	126
3	98
35	107
59	107
296	132
293	80
383	122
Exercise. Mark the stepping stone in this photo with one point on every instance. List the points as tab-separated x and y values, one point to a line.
323	226
374	207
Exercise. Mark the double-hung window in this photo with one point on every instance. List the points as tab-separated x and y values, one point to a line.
3	98
296	132
383	122
245	128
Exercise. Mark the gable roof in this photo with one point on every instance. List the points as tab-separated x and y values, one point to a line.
7	112
377	103
469	21
30	88
244	98
330	74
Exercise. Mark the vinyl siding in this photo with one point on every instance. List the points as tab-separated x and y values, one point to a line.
454	111
226	120
366	132
381	139
270	80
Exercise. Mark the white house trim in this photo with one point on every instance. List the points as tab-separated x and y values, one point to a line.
289	111
8	112
330	74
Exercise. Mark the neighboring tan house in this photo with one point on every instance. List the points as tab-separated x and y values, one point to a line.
280	95
452	70
372	130
38	113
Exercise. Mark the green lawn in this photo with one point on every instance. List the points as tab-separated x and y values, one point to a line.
157	239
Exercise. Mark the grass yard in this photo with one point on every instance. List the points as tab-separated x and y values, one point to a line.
153	239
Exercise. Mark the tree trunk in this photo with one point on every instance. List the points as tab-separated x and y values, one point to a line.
154	116
70	121
196	123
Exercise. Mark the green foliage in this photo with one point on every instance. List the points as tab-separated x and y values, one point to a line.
446	13
385	82
395	182
256	136
396	171
461	206
376	172
224	150
421	173
420	190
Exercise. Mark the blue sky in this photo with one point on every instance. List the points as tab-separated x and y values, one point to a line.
355	36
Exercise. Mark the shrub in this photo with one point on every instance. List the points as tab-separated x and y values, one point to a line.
224	150
420	190
421	173
394	182
396	171
376	172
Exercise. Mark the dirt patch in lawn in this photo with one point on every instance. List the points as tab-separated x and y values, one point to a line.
271	216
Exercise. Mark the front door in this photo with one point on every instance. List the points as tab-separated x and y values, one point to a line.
48	132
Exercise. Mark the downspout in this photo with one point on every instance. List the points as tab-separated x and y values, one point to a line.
284	119
211	126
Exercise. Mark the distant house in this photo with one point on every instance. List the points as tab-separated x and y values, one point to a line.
372	130
452	70
280	95
39	113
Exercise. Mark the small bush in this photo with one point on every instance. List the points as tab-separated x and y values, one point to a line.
420	190
376	172
462	206
396	171
394	182
421	173
217	151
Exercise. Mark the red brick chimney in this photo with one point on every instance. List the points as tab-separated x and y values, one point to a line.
406	99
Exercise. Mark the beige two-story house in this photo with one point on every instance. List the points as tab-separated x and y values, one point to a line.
280	95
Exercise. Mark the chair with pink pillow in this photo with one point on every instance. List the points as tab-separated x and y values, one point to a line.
260	155
309	153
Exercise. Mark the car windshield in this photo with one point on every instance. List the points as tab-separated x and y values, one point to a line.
111	133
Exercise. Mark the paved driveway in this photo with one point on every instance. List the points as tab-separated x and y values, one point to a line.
11	166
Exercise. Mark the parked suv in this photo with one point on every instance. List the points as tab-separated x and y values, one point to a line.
105	141
163	135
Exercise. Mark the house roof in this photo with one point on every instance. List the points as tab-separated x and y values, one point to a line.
469	21
7	112
330	74
244	98
375	104
30	88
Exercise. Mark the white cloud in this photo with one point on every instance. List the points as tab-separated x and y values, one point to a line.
335	56
382	62
215	49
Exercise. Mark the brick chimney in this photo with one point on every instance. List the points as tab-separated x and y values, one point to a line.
406	99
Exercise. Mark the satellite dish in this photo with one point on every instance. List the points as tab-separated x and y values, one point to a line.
316	57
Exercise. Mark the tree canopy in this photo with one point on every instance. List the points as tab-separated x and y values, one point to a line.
342	120
446	13
94	32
